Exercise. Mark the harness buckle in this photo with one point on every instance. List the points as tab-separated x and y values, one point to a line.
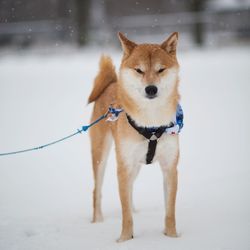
153	137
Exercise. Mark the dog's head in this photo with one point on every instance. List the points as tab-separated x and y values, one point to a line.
149	72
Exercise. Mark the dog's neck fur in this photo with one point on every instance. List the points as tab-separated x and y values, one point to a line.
149	112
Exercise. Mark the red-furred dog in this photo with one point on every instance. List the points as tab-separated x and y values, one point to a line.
147	90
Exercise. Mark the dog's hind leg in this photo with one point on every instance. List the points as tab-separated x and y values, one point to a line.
101	140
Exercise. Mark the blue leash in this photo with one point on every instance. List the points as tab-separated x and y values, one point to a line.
114	116
79	131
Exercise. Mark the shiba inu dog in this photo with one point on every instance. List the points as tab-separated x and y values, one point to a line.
146	88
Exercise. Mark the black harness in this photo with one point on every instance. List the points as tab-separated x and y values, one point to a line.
151	134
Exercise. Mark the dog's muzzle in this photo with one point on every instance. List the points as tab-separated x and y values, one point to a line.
151	91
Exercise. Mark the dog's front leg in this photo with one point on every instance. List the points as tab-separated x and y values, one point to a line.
170	178
170	183
125	181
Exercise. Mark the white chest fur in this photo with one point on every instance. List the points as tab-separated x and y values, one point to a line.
134	152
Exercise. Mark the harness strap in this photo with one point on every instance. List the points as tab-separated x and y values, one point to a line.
152	134
151	151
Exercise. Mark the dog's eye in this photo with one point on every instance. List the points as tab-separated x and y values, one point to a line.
161	70
139	71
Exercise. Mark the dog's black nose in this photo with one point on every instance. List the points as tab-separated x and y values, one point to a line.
151	91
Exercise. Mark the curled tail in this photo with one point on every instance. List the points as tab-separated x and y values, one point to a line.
104	78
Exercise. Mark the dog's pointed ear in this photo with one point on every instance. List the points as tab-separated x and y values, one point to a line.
127	45
171	43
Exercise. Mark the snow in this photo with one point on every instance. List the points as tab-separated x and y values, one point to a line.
46	195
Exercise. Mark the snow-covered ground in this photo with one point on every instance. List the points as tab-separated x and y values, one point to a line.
46	196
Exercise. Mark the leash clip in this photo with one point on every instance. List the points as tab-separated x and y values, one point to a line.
115	112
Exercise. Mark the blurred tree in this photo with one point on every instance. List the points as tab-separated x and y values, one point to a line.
198	31
82	20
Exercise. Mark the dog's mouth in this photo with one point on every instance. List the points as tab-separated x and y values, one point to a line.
151	96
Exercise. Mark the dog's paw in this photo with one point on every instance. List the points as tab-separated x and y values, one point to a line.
171	232
97	219
124	238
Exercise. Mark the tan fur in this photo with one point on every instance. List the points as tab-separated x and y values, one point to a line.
105	77
109	91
